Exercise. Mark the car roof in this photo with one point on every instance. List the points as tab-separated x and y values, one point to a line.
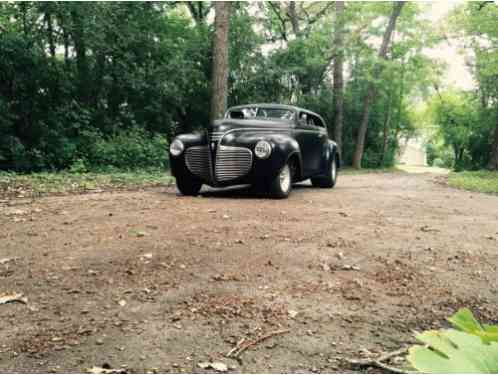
278	106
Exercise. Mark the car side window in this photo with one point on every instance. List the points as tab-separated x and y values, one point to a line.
318	122
303	118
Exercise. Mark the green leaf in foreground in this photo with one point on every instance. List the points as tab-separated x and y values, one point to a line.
452	351
464	320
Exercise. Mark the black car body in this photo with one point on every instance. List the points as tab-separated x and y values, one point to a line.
265	145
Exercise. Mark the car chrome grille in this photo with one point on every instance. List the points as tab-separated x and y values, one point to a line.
215	136
198	161
232	162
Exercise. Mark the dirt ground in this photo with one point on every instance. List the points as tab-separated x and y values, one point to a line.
151	281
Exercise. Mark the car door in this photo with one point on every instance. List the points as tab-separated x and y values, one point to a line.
311	139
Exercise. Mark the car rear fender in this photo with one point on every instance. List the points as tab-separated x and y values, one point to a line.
329	151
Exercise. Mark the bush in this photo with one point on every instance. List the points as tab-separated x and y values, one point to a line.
438	162
129	149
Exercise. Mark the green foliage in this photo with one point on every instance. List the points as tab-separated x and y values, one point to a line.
465	321
463	128
89	85
473	348
114	68
451	351
130	149
480	181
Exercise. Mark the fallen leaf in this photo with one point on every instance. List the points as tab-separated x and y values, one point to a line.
347	267
101	370
292	313
325	267
6	260
426	228
14	297
218	366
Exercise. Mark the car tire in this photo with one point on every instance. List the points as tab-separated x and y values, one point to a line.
330	179
281	185
188	186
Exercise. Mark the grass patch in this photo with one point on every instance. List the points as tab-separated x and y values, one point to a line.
35	184
480	181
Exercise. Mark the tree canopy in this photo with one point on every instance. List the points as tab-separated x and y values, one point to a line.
79	81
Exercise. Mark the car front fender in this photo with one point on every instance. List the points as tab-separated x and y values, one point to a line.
283	148
177	163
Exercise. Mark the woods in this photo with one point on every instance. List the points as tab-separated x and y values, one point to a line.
84	84
140	235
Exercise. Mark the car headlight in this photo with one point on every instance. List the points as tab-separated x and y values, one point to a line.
262	149
176	147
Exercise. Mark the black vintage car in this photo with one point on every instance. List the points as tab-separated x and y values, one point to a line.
266	145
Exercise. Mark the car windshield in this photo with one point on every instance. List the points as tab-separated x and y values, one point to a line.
261	112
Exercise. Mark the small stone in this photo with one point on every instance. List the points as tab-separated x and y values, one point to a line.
292	313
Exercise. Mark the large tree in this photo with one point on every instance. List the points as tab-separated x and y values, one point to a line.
493	157
221	67
369	96
338	73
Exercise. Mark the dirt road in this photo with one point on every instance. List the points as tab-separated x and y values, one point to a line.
152	281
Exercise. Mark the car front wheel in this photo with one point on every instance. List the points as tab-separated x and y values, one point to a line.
281	185
329	180
188	186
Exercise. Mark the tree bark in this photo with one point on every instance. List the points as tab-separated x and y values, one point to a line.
493	158
338	74
78	36
220	60
362	131
50	32
385	132
293	18
198	11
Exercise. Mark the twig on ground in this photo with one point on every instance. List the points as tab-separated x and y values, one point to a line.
235	348
240	347
378	361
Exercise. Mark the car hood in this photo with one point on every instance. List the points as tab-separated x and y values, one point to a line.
222	126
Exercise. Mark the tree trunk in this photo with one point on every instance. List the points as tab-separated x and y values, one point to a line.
78	36
385	132
338	74
293	18
493	158
198	11
50	32
362	131
220	60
